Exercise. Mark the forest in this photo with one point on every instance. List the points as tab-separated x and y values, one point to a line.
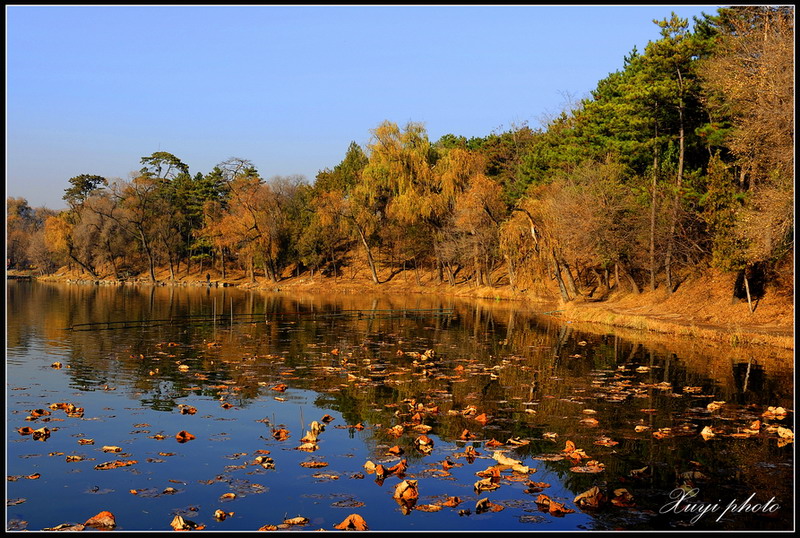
680	161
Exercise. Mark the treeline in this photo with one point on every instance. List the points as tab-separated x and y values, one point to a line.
681	160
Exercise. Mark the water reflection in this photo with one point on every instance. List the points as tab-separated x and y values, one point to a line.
530	377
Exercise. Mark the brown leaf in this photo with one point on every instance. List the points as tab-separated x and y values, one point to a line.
428	507
591	498
183	436
25	430
104	520
326	419
622	498
493	443
452	502
114	464
353	522
485	484
313	464
396	450
281	387
406	490
485	505
180	524
109	448
221	515
41	434
299	520
280	434
570	447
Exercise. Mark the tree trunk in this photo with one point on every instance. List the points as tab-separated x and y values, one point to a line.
747	291
677	198
562	288
511	276
370	261
634	286
573	289
653	223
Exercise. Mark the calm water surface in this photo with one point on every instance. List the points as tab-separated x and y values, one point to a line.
134	358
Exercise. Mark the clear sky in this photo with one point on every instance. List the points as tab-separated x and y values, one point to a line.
93	89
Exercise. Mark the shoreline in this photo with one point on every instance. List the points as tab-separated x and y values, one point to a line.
701	308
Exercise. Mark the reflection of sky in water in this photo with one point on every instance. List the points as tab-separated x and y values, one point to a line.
508	361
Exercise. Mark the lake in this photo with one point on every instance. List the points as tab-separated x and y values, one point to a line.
157	402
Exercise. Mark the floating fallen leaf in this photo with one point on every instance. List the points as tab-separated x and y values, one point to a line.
109	448
280	434
707	433
550	435
714	406
502	459
639	428
622	498
605	441
555	508
41	434
396	450
589	421
85	441
103	520
74	458
485	505
317	427
569	447
482	418
25	430
326	419
313	464
183	436
493	443
66	527
395	431
406	490
428	507
785	433
280	387
34	476
451	502
309	437
56	365
592	498
353	522
180	524
221	515
308	447
227	496
590	467
774	412
187	409
114	464
485	484
299	520
639	473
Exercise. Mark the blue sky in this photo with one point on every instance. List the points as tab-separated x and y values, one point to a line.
92	89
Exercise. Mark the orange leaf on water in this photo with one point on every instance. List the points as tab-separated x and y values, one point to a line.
183	436
104	520
353	522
